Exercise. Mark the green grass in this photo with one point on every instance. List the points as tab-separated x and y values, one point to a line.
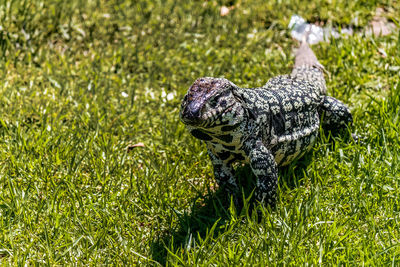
83	81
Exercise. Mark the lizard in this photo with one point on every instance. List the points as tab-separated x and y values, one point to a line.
265	127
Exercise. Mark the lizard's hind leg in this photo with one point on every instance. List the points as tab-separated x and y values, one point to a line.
308	68
335	115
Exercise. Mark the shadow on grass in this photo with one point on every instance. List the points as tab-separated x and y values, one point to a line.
207	210
214	208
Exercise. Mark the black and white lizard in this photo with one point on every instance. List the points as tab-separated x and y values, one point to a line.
266	127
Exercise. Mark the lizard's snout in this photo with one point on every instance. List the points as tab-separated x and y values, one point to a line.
191	113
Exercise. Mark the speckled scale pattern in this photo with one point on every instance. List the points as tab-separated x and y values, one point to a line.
266	127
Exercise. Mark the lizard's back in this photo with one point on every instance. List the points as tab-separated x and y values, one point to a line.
287	115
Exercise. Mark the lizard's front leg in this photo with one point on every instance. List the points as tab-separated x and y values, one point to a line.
263	165
224	174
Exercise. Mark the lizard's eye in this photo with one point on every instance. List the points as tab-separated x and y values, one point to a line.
213	101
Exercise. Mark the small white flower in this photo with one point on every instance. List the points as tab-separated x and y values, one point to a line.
124	94
250	35
224	11
170	96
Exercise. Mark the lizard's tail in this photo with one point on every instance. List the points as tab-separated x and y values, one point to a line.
305	56
307	67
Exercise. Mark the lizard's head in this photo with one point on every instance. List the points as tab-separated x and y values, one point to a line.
209	102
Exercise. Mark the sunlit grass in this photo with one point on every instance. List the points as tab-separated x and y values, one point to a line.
95	167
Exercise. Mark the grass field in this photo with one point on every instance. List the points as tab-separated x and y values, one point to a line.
96	168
